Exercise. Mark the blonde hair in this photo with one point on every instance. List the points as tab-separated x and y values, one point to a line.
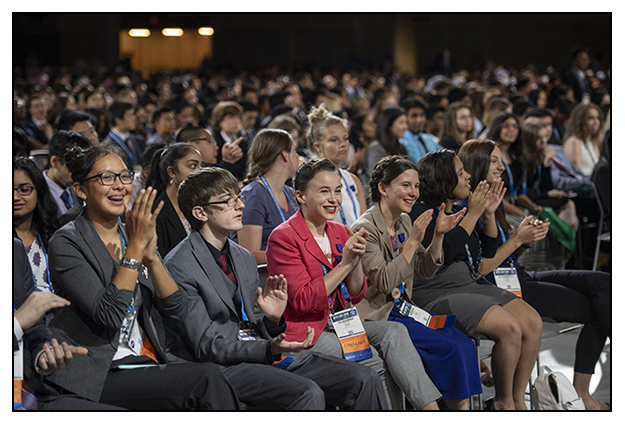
320	119
494	107
267	146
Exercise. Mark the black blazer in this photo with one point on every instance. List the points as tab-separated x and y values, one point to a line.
82	271
33	131
169	228
570	78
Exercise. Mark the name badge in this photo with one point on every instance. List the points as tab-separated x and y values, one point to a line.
135	337
426	319
248	335
507	278
351	333
18	362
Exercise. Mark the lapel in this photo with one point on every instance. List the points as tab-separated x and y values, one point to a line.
378	221
243	294
213	272
299	225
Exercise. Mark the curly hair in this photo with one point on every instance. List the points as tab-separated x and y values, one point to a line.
45	213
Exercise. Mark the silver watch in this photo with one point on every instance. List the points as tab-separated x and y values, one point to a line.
132	264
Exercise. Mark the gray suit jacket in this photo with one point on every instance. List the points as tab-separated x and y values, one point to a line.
383	272
210	331
82	271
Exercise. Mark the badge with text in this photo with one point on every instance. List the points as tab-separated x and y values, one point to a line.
248	335
425	318
507	278
352	336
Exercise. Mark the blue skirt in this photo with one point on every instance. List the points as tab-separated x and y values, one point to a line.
448	355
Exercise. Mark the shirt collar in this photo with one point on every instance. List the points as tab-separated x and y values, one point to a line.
225	137
217	253
122	136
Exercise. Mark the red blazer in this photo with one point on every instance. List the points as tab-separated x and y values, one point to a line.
293	251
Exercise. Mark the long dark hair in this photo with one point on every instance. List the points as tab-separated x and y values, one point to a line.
44	216
162	160
475	156
494	133
437	176
383	132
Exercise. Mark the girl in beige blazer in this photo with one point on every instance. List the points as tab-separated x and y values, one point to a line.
393	258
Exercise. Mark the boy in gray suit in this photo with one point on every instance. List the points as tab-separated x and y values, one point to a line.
234	323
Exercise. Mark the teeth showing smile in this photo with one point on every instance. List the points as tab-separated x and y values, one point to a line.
330	209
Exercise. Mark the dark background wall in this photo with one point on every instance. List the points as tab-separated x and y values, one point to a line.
325	40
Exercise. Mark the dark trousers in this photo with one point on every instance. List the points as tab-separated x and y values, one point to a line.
307	384
577	296
75	403
174	386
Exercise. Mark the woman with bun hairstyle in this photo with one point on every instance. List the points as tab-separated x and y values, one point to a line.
393	258
328	136
269	201
583	296
121	295
169	167
515	327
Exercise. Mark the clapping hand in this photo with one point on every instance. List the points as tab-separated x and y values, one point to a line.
495	196
141	221
355	246
445	223
279	345
420	225
478	199
272	301
57	356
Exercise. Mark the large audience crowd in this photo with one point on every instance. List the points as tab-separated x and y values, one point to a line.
272	240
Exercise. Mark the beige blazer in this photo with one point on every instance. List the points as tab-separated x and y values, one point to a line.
384	274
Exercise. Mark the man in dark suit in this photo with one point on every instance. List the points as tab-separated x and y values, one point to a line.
35	123
123	121
234	323
575	76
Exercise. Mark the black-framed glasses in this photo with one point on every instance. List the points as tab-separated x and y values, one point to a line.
230	202
24	190
515	126
108	178
208	139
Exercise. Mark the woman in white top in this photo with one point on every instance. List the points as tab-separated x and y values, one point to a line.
329	138
582	140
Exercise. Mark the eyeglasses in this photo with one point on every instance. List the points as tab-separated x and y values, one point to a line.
230	202
24	190
108	178
208	139
516	127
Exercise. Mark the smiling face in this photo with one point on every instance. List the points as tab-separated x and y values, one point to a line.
496	167
463	188
104	203
403	191
334	146
322	198
23	206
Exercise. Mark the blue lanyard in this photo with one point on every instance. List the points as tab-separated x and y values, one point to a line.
402	290
351	198
540	172
343	287
243	314
123	145
45	255
509	171
273	198
504	239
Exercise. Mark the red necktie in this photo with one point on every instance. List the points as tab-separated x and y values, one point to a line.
223	264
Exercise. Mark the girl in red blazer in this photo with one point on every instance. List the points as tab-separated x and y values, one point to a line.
317	256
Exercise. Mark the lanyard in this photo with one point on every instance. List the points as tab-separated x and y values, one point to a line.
504	239
123	145
343	287
273	198
509	171
348	189
402	290
243	314
540	172
474	266
45	255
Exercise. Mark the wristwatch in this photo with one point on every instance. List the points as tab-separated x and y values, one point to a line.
132	264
